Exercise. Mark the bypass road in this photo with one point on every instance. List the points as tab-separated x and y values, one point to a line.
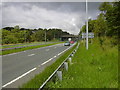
16	65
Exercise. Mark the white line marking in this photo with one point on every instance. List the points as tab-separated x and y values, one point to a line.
47	61
33	69
59	53
10	54
47	49
32	49
55	56
18	77
31	54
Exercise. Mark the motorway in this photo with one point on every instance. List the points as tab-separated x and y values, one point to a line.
16	65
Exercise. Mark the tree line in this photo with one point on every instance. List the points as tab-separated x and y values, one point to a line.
107	22
13	35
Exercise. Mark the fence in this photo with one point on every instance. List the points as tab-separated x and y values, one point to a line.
57	71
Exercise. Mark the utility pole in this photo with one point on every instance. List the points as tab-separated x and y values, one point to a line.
45	35
86	25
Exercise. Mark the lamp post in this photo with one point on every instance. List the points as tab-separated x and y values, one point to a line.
86	25
45	35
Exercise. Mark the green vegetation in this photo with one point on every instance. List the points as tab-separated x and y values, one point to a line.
25	44
26	48
14	35
107	22
38	80
93	68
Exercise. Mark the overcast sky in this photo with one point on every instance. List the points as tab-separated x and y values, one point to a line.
69	16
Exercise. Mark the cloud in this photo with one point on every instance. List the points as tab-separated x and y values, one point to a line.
67	16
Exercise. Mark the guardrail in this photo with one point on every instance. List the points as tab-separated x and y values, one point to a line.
57	70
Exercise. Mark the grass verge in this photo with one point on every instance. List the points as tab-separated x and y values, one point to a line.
24	44
37	81
25	48
93	68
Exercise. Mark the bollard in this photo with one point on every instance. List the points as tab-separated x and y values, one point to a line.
59	74
66	66
72	55
70	60
75	51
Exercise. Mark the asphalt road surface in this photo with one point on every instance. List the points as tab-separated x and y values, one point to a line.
15	65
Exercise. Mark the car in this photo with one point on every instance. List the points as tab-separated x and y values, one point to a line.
67	44
71	42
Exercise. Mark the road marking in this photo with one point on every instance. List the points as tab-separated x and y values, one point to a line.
47	61
10	54
59	54
33	69
47	49
55	56
19	77
33	49
31	54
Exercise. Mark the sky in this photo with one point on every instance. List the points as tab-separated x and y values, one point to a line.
68	16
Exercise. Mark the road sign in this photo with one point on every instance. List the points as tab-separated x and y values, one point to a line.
83	34
90	35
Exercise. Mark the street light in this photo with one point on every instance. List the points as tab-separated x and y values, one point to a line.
86	25
45	35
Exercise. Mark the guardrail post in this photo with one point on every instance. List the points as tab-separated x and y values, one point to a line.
72	55
70	60
66	66
74	50
59	74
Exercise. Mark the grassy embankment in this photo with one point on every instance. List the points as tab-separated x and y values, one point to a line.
93	68
26	48
37	81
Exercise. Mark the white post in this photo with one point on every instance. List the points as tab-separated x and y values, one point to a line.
86	25
72	54
66	66
59	74
70	60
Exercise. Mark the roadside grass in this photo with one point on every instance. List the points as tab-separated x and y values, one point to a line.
38	80
93	68
26	48
24	44
18	45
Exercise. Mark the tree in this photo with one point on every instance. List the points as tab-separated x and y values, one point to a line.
100	26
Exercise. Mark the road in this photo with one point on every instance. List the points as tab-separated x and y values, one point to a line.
15	65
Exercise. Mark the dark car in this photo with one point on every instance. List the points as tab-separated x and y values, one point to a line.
67	44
